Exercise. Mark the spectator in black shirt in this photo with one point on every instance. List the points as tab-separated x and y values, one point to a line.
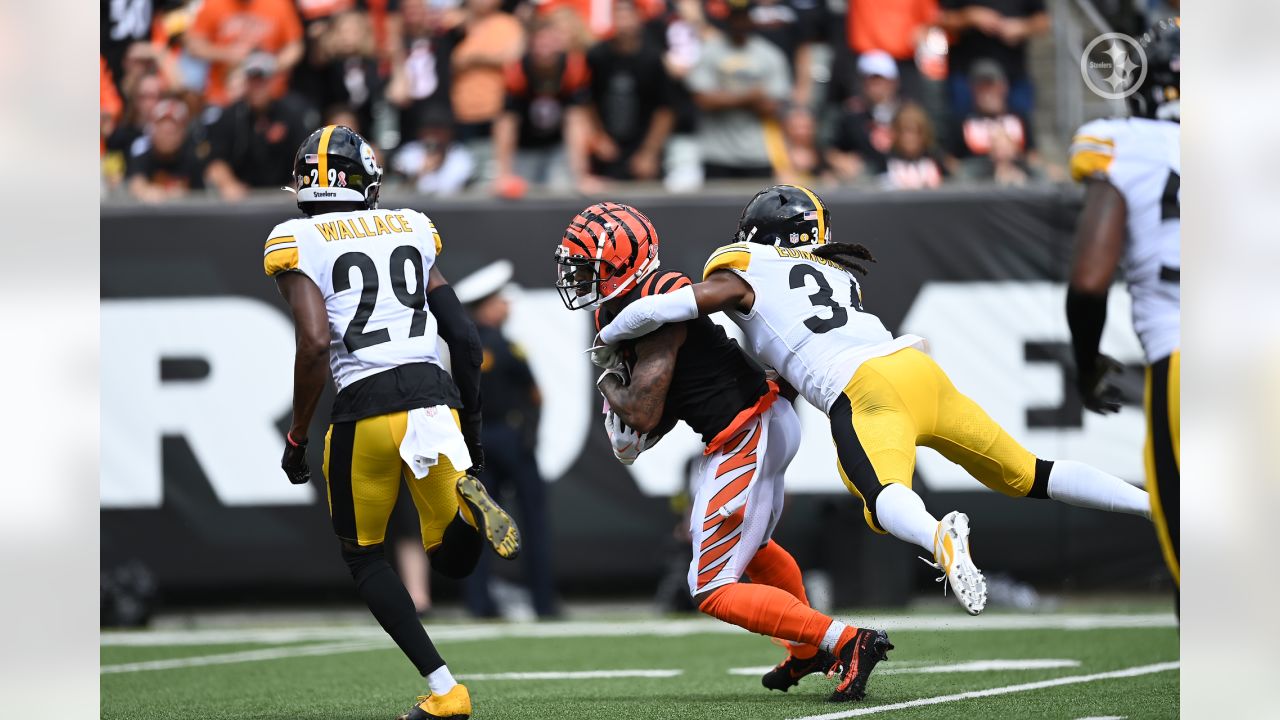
913	161
630	104
167	163
537	137
346	67
254	138
991	123
996	30
863	136
419	86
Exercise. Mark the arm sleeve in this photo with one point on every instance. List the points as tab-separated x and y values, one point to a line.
650	313
459	333
1086	316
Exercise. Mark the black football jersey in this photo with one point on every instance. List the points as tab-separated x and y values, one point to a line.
713	380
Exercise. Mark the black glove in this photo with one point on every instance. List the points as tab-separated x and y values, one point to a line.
1097	392
471	425
294	461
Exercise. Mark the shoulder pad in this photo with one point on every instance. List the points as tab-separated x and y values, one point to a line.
661	283
281	251
729	257
1093	148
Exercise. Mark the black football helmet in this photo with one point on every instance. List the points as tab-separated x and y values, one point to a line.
1159	95
786	216
335	164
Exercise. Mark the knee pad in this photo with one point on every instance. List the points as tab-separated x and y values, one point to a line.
459	550
362	560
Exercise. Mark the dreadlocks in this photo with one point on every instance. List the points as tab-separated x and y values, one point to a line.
846	255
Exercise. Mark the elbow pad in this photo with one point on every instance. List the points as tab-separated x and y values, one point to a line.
650	313
459	333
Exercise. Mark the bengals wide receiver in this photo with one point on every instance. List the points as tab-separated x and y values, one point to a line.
691	371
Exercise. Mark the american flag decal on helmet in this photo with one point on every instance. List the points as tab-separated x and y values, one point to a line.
810	215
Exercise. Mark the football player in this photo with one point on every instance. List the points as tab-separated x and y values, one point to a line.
795	295
692	371
1131	168
366	296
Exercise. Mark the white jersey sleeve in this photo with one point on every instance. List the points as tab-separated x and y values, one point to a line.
1141	158
371	266
807	320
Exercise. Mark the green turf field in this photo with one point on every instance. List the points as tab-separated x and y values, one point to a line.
1105	666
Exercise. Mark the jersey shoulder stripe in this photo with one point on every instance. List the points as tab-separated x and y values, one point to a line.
1093	149
730	257
662	283
281	250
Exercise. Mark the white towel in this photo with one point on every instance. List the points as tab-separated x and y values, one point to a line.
432	432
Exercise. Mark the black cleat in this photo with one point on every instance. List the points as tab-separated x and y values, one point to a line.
492	521
859	657
787	674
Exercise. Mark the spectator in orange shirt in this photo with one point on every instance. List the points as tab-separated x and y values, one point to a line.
226	32
493	39
895	27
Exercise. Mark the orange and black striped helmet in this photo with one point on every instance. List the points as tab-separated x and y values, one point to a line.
606	250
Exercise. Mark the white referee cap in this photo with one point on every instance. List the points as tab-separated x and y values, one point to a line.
484	282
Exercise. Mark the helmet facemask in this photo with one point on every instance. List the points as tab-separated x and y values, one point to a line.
578	279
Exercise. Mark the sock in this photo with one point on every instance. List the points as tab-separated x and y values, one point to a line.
382	591
459	549
440	680
901	512
767	610
773	565
1078	484
835	635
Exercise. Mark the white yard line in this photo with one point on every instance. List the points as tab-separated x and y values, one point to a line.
571	675
908	667
973	694
659	628
275	653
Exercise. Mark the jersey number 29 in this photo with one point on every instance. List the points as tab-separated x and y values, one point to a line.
355	337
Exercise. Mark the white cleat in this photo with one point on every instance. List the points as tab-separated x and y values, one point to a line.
952	557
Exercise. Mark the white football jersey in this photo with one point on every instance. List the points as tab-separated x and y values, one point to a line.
807	321
1141	158
372	267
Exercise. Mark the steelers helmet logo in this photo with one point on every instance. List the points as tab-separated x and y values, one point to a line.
367	158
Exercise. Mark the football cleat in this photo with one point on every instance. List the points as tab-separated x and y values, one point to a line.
859	656
787	673
491	520
453	705
951	556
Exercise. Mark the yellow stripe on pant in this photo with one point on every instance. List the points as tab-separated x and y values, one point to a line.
363	469
1161	456
896	402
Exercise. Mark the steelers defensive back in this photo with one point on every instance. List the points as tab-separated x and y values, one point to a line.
365	295
1131	221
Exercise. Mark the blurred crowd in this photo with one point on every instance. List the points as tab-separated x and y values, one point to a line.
500	96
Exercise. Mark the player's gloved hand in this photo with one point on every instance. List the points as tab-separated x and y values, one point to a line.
604	356
1097	392
294	461
618	370
627	443
471	430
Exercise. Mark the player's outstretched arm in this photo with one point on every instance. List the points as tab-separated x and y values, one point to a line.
722	290
640	402
465	355
1099	243
311	355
